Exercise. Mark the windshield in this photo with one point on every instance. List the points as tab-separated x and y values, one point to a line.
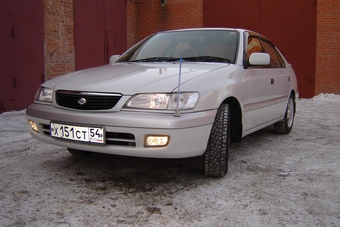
194	45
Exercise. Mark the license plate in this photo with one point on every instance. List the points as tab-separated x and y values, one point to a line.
78	133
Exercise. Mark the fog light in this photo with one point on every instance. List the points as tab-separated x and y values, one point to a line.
33	125
156	140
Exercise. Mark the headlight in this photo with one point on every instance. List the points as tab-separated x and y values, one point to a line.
44	95
187	100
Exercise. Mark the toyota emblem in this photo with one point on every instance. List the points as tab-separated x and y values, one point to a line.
82	101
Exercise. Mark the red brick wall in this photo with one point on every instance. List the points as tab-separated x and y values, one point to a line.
59	37
132	26
148	16
327	79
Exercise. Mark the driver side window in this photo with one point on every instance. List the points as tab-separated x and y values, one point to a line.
260	45
275	59
253	46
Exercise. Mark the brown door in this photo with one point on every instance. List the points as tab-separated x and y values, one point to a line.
7	71
100	31
231	14
115	27
291	26
111	42
21	52
89	33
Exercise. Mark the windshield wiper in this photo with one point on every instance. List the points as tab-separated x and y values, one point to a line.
207	59
156	59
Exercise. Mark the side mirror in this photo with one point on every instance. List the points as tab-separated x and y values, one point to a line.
114	58
259	59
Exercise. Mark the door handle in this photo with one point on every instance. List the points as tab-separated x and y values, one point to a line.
272	81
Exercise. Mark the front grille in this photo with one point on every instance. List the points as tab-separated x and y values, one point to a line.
46	129
112	138
121	139
87	100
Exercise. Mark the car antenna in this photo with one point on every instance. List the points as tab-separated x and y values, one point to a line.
176	113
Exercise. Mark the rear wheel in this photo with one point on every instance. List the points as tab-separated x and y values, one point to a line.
216	154
286	125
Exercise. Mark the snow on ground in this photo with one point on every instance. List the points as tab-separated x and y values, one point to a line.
273	180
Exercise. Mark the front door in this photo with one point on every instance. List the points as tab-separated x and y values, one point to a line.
260	106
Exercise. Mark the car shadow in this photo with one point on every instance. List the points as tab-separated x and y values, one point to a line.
129	174
132	174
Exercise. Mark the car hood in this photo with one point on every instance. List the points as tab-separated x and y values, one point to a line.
131	78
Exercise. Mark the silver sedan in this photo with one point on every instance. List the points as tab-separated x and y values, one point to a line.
175	94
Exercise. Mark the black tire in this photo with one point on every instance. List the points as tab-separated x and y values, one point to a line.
286	125
216	154
79	153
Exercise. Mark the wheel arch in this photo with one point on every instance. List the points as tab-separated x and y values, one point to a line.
236	126
295	96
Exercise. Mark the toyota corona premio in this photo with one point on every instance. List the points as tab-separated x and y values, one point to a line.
175	94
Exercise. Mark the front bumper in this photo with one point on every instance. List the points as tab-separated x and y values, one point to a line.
188	133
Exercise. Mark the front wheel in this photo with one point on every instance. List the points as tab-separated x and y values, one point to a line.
216	154
286	125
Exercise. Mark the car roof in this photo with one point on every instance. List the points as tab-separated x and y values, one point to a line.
241	30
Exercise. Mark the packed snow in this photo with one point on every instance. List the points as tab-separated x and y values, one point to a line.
273	180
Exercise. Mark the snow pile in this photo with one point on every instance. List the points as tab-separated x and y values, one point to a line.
328	97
